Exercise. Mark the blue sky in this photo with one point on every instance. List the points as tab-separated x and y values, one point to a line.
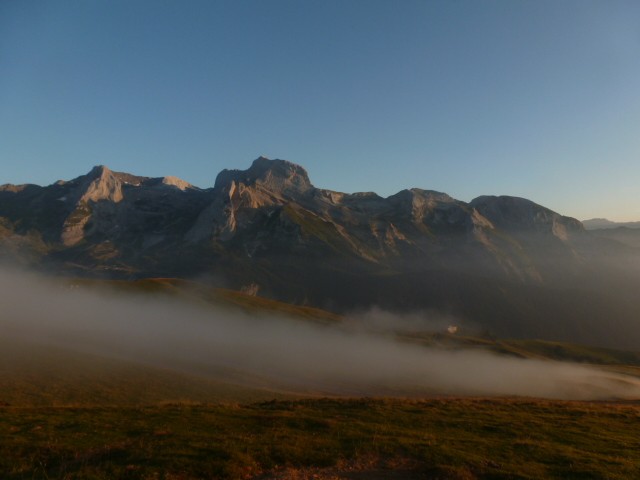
539	99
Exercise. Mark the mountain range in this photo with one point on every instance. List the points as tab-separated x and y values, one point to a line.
499	264
603	223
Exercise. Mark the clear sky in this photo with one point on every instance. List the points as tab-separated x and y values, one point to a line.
539	99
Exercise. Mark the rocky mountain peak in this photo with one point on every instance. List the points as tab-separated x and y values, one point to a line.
99	171
275	175
104	173
100	184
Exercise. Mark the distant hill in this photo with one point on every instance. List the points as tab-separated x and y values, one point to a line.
603	223
628	236
505	264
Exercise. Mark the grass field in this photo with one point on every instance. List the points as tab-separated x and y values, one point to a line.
325	438
66	415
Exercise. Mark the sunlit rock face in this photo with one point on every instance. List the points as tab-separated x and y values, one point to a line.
272	210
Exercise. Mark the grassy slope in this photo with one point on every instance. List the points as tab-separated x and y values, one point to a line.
109	419
43	375
450	438
221	297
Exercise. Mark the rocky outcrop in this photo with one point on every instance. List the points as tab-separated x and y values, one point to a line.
274	176
99	185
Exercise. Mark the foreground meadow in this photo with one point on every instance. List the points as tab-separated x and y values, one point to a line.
448	438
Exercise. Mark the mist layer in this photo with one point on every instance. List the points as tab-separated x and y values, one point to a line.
282	352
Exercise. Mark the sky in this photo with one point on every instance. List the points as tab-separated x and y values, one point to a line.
537	99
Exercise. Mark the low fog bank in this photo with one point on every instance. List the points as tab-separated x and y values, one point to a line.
379	320
292	354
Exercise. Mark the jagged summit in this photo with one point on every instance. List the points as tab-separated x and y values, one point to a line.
89	201
99	184
105	173
272	174
370	226
101	170
98	171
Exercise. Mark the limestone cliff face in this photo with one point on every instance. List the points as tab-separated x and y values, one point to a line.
104	204
241	193
272	206
279	177
99	185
